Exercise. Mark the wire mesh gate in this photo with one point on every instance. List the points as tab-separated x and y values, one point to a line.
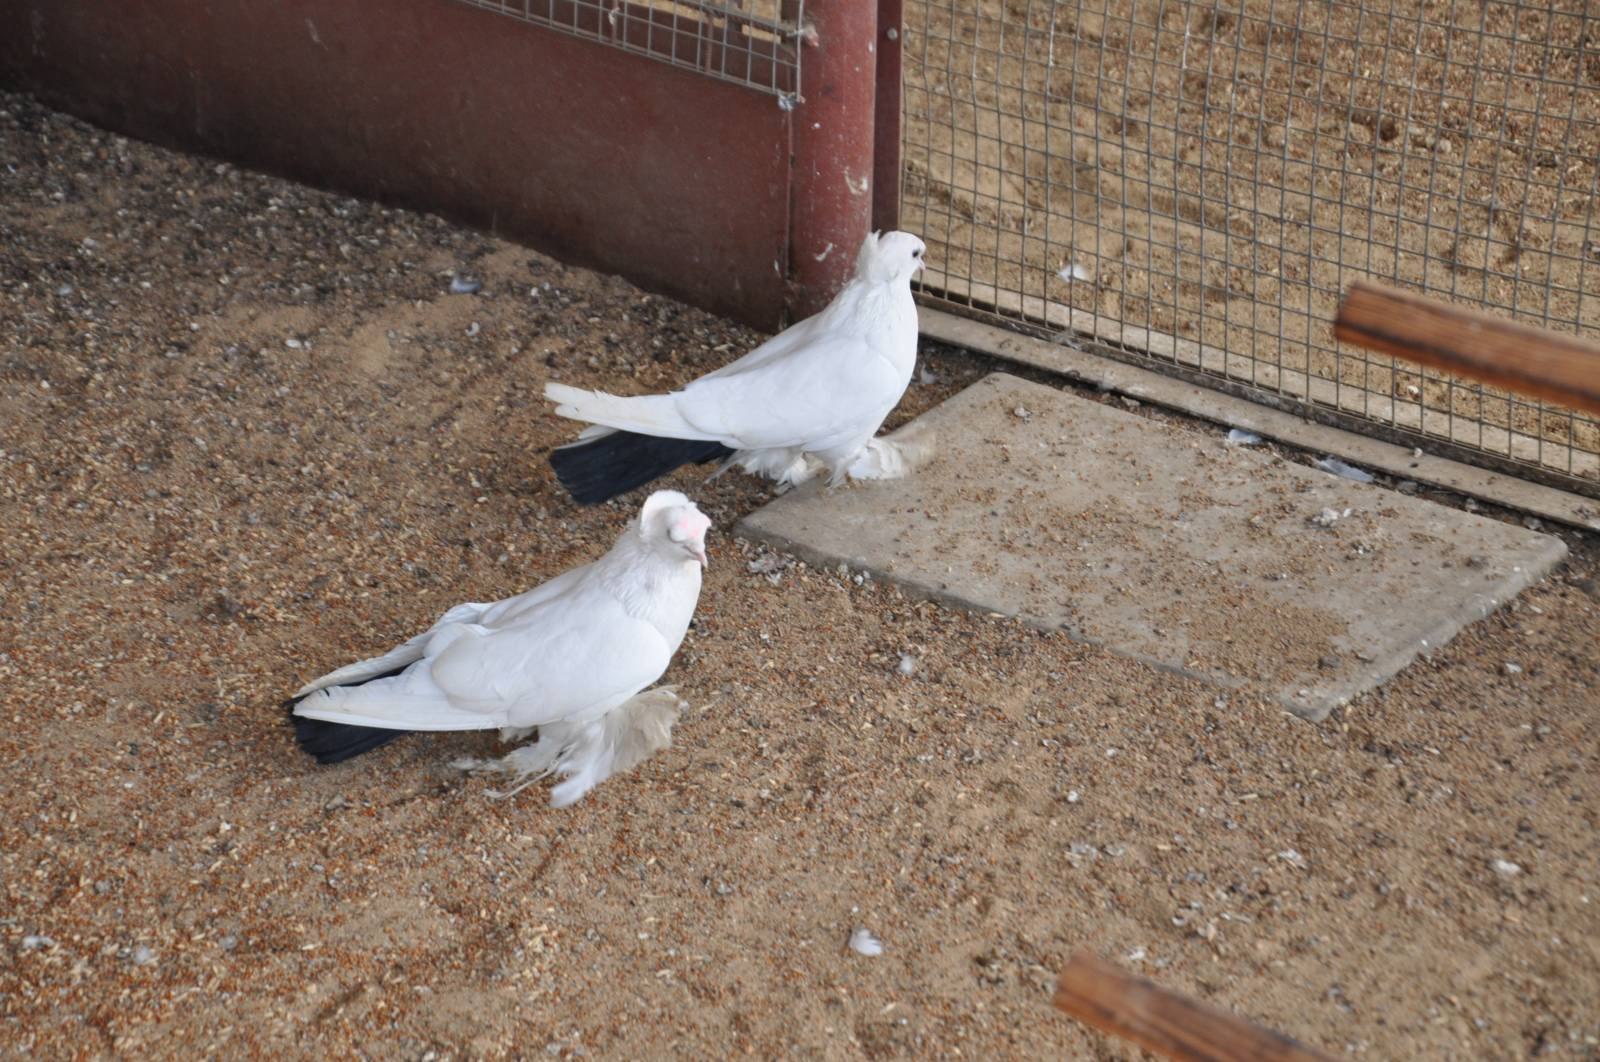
755	43
1194	185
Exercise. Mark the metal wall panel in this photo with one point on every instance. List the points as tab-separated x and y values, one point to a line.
683	183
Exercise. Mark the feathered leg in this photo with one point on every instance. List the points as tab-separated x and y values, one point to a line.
892	456
587	755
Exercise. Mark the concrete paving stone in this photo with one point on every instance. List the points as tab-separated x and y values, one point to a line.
1166	545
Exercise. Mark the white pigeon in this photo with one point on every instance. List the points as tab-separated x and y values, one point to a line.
568	658
810	398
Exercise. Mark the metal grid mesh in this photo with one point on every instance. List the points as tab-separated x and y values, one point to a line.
1195	184
755	43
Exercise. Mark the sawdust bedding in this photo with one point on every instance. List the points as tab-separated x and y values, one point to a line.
247	434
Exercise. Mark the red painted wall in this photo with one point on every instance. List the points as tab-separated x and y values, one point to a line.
683	184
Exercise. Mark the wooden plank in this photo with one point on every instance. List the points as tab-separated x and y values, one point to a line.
1099	994
1531	361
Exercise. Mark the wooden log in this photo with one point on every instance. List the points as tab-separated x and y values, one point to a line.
1530	361
1103	996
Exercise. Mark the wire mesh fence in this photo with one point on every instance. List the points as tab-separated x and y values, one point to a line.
755	43
1194	185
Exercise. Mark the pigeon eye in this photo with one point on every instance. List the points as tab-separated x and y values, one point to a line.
916	254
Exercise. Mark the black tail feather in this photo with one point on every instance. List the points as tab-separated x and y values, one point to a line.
336	742
602	468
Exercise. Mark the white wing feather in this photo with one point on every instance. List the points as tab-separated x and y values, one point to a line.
646	414
821	387
570	661
571	657
819	398
817	401
408	652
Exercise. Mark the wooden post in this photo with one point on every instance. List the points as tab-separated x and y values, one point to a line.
1530	361
1101	995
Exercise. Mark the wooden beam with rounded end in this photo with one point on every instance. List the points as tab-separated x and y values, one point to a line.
1103	996
1469	343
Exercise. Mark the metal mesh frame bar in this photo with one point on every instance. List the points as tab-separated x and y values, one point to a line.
1194	185
755	43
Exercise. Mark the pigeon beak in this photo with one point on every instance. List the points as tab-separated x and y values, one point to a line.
699	553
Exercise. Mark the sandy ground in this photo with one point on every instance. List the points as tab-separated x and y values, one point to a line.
247	435
1220	175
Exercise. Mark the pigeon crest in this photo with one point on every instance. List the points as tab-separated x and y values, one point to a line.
889	257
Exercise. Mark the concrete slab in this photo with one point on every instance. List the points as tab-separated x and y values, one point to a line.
1171	547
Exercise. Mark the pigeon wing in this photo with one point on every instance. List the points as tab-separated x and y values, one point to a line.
410	651
795	337
569	660
400	656
824	394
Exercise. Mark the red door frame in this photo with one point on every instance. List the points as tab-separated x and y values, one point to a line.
708	191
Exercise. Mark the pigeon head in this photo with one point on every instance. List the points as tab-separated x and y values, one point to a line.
889	257
673	527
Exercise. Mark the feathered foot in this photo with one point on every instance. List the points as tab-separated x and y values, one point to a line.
893	456
589	754
788	467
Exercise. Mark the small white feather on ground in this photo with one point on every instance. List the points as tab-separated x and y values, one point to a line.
862	942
